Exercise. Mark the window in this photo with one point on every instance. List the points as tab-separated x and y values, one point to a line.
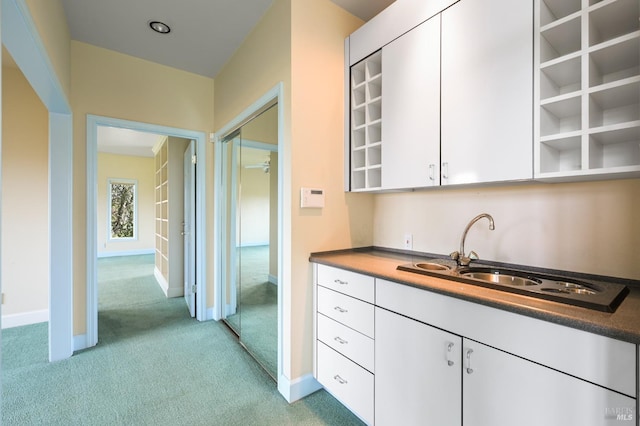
122	209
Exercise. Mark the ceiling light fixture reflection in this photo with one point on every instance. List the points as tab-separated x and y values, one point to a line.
159	27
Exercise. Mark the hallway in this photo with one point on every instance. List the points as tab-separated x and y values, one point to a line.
154	365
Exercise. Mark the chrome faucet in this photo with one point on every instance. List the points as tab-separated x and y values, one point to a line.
459	256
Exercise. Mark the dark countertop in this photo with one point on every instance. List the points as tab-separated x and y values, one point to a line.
623	324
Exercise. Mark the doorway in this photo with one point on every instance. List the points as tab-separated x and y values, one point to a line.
196	226
249	236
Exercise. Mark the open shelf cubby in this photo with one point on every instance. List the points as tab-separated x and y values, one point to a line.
615	147
615	61
561	116
561	155
552	10
612	18
560	38
560	77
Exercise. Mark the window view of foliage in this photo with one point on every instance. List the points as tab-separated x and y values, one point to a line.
122	214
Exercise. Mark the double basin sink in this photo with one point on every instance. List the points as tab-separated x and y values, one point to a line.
602	296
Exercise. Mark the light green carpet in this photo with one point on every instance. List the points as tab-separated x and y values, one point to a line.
153	366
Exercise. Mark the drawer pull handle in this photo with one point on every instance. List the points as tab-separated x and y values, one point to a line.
340	380
341	310
337	281
449	353
469	369
340	340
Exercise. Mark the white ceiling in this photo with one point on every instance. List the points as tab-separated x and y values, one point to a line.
204	33
126	142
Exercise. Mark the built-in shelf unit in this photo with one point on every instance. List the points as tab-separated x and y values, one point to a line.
588	88
366	123
162	210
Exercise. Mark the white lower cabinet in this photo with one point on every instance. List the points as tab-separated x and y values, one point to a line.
418	374
503	389
414	357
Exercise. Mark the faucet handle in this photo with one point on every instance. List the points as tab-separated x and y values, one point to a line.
454	255
473	255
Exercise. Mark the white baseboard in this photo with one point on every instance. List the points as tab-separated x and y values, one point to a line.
293	390
25	318
211	314
273	279
80	342
125	253
164	285
175	292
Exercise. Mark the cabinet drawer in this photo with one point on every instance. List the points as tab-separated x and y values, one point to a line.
355	346
347	381
357	285
351	312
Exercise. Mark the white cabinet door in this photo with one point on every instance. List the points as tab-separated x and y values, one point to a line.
418	373
411	108
502	389
487	100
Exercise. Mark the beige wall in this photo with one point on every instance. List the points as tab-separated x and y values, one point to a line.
51	22
319	28
111	84
301	44
25	221
589	227
141	169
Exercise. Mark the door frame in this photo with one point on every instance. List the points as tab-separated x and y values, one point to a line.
22	39
93	121
273	96
189	249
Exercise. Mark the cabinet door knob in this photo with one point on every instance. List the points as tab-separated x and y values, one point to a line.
445	170
450	361
337	281
339	379
341	310
432	168
468	356
340	340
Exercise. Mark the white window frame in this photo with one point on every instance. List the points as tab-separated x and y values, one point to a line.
133	182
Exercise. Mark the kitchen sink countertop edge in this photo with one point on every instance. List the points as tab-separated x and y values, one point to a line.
623	324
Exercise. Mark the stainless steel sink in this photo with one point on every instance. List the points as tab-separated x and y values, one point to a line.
500	277
431	266
599	295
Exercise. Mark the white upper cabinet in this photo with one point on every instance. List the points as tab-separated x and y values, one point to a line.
587	86
487	101
411	108
397	19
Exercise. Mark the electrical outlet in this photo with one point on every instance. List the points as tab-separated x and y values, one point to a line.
408	241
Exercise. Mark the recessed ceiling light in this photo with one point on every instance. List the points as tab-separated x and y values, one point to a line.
159	27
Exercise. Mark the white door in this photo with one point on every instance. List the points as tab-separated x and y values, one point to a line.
188	231
411	108
417	373
487	101
502	389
